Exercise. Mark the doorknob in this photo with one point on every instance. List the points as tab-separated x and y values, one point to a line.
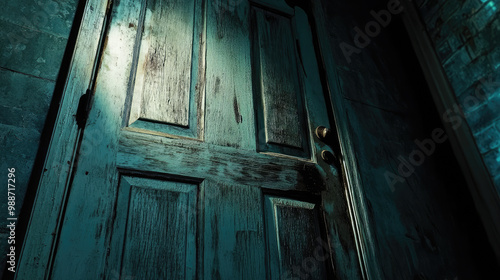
328	157
328	137
323	133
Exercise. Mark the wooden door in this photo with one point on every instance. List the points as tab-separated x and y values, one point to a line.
198	159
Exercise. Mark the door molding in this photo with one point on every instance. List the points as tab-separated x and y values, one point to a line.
481	187
43	225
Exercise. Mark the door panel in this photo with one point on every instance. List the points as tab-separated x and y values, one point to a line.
277	89
234	232
168	65
163	78
153	217
188	181
291	252
228	76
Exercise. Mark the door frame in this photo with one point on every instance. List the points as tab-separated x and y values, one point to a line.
53	187
484	195
48	206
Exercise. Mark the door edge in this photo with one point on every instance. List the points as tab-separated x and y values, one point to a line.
358	210
41	233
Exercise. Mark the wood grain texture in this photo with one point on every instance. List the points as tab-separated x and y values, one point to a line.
99	232
35	257
82	246
277	79
155	230
168	94
234	232
229	104
224	164
163	79
295	244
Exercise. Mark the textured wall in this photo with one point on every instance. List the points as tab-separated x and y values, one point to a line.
466	35
33	36
421	213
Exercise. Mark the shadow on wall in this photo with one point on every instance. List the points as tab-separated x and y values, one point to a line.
423	219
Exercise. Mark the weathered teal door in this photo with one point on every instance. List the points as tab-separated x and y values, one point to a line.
199	159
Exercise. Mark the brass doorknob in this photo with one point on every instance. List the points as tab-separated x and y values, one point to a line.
323	133
328	157
328	137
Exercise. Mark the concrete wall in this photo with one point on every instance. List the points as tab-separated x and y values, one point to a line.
466	36
33	36
423	221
